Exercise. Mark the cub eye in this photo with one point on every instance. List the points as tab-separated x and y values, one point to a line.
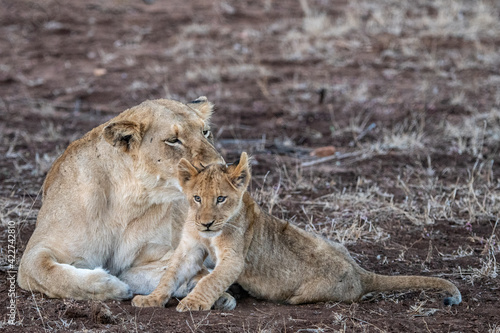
221	199
173	141
197	198
206	133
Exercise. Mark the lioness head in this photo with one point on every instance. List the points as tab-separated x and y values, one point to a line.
214	192
156	134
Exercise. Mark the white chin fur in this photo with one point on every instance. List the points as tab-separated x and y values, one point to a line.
210	234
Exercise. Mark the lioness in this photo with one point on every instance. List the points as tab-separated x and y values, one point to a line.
112	208
268	257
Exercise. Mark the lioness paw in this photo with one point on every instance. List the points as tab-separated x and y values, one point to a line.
190	304
104	286
149	301
225	303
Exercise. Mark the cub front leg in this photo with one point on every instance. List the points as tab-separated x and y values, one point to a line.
194	303
211	288
150	301
159	299
185	263
161	295
225	303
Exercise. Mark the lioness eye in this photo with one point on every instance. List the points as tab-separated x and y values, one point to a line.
173	141
206	133
197	198
221	199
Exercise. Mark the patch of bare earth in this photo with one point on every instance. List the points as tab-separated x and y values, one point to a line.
407	93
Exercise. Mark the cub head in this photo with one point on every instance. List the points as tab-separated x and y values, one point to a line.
214	192
157	134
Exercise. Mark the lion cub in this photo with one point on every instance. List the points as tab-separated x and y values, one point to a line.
268	257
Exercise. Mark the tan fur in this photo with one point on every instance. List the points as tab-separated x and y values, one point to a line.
112	207
268	257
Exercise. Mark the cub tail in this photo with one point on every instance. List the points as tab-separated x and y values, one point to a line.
375	282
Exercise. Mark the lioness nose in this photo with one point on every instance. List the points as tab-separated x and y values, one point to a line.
217	160
207	225
206	156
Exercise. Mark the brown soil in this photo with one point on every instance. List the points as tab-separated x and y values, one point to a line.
408	99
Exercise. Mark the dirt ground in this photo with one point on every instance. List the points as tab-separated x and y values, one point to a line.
407	93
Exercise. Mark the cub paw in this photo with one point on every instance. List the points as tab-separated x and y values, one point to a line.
190	304
149	301
225	303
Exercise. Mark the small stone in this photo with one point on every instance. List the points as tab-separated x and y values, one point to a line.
100	71
323	151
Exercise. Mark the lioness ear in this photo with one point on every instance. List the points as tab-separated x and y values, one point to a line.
203	106
125	135
185	171
239	174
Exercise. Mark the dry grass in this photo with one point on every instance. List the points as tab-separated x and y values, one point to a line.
474	132
494	328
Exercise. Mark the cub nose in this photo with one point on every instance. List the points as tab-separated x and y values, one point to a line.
207	225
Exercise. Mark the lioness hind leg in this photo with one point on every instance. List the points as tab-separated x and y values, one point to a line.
147	269
40	272
144	279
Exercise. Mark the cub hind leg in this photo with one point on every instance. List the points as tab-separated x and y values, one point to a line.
340	287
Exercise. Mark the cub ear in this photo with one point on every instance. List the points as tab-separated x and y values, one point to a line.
239	173
203	106
125	135
185	171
